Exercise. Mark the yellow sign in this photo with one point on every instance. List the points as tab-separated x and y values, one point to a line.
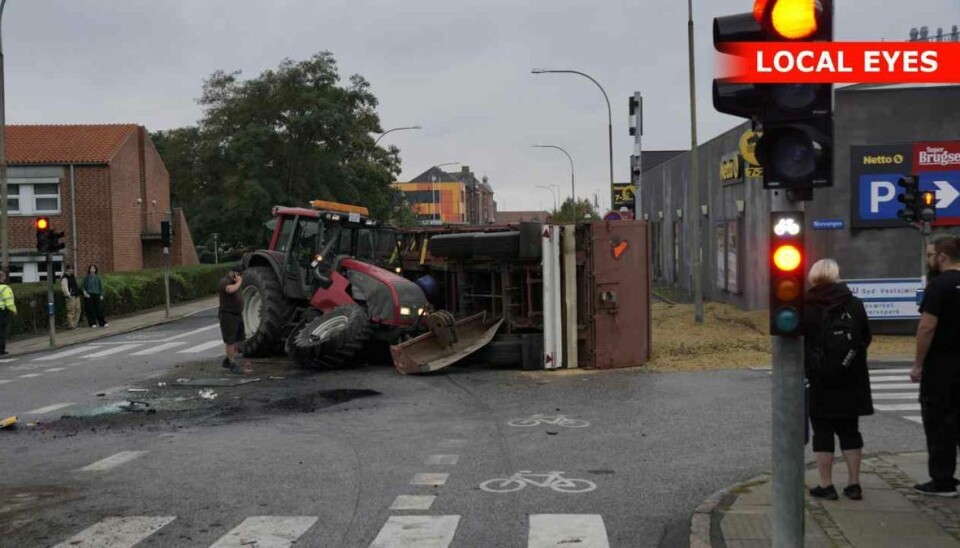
623	195
754	172
730	168
882	159
748	146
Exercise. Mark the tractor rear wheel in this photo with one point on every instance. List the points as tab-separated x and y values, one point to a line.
265	311
332	340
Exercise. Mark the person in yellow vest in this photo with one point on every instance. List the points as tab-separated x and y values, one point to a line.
7	306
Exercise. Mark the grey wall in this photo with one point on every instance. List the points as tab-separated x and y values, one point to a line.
863	116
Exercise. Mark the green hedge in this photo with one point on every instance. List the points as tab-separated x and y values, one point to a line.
124	293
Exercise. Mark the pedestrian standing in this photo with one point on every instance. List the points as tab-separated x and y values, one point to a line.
93	297
937	368
71	296
8	306
230	315
836	337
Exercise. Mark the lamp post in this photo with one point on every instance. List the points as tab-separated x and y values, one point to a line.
435	201
609	110
694	176
552	192
4	239
391	131
573	188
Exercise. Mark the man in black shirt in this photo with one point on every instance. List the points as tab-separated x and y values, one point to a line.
231	318
937	369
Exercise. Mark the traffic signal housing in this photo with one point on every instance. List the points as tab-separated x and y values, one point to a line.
42	225
928	206
910	198
787	258
796	149
166	235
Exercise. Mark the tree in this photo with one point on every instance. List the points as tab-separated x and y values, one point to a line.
288	136
571	211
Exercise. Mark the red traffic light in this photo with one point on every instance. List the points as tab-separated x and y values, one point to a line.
42	223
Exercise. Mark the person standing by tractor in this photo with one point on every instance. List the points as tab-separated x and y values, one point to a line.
7	306
231	318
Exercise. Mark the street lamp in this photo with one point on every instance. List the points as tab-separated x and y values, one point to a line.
4	248
609	110
389	130
553	193
573	188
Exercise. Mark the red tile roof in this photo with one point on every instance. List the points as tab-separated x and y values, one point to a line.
80	144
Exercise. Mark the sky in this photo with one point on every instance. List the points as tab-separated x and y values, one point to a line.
458	68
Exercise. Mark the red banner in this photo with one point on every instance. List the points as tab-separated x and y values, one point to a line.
840	62
942	156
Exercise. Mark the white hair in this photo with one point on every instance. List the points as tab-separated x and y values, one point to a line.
824	271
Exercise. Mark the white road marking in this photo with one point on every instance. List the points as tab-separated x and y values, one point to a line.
8	360
918	420
562	530
898	407
118	532
266	532
413	502
54	369
895	395
453	443
201	310
201	347
891	371
113	461
891	378
442	459
65	353
895	386
6	381
417	532
31	375
429	479
115	350
49	408
158	348
188	333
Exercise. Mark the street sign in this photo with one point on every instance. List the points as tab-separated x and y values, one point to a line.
613	216
827	224
888	299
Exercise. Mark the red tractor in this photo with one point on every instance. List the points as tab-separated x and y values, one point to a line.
322	289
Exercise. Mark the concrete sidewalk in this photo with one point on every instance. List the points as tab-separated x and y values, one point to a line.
125	324
891	514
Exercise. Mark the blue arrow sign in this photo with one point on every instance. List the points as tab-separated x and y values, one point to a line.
827	224
878	195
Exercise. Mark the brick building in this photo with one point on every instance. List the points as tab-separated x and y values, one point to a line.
439	197
105	186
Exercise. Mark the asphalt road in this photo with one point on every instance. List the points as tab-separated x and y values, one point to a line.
331	459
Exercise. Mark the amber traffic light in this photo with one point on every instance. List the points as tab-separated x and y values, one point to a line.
42	223
790	19
786	274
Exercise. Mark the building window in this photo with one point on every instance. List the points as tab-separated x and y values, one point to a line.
34	196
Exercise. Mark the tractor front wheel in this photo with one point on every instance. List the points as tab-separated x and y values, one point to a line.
265	311
331	340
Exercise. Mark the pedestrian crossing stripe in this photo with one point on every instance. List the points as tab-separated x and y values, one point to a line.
201	347
118	532
898	407
266	531
158	348
114	350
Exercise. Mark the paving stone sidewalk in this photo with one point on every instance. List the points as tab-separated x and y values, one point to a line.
119	325
891	514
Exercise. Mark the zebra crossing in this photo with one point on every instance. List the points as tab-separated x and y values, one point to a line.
434	531
893	392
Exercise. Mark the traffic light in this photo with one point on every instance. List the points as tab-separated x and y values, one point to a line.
910	198
796	149
53	241
928	206
166	236
636	114
42	224
786	274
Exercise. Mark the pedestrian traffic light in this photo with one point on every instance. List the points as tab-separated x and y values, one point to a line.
910	198
928	206
165	234
42	224
796	149
786	274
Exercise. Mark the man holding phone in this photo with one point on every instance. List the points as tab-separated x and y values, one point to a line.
231	318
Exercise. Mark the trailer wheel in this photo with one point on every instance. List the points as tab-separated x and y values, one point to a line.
265	312
331	340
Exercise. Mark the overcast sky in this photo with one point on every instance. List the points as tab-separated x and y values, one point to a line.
459	68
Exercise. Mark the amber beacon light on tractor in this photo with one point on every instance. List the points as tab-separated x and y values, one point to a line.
786	274
796	149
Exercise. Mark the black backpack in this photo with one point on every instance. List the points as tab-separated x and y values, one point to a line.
839	343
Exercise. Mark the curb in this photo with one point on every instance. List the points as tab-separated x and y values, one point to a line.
122	331
701	520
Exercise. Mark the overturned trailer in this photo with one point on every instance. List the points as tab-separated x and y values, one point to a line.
539	296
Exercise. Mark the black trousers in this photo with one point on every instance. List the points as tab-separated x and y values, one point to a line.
941	424
94	310
3	330
845	428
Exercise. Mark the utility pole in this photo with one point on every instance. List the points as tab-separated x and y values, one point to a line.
4	237
166	239
694	177
216	248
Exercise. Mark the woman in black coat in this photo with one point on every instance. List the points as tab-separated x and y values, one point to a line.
841	395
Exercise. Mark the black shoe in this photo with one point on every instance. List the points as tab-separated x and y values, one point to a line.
225	364
933	489
829	493
853	492
3	352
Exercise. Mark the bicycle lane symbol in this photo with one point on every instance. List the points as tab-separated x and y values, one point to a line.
550	480
553	420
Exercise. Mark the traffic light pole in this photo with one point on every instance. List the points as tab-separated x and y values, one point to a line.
924	235
788	421
50	306
166	279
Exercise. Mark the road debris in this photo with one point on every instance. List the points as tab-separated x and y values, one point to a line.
9	422
182	380
208	394
134	406
277	378
161	384
101	394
